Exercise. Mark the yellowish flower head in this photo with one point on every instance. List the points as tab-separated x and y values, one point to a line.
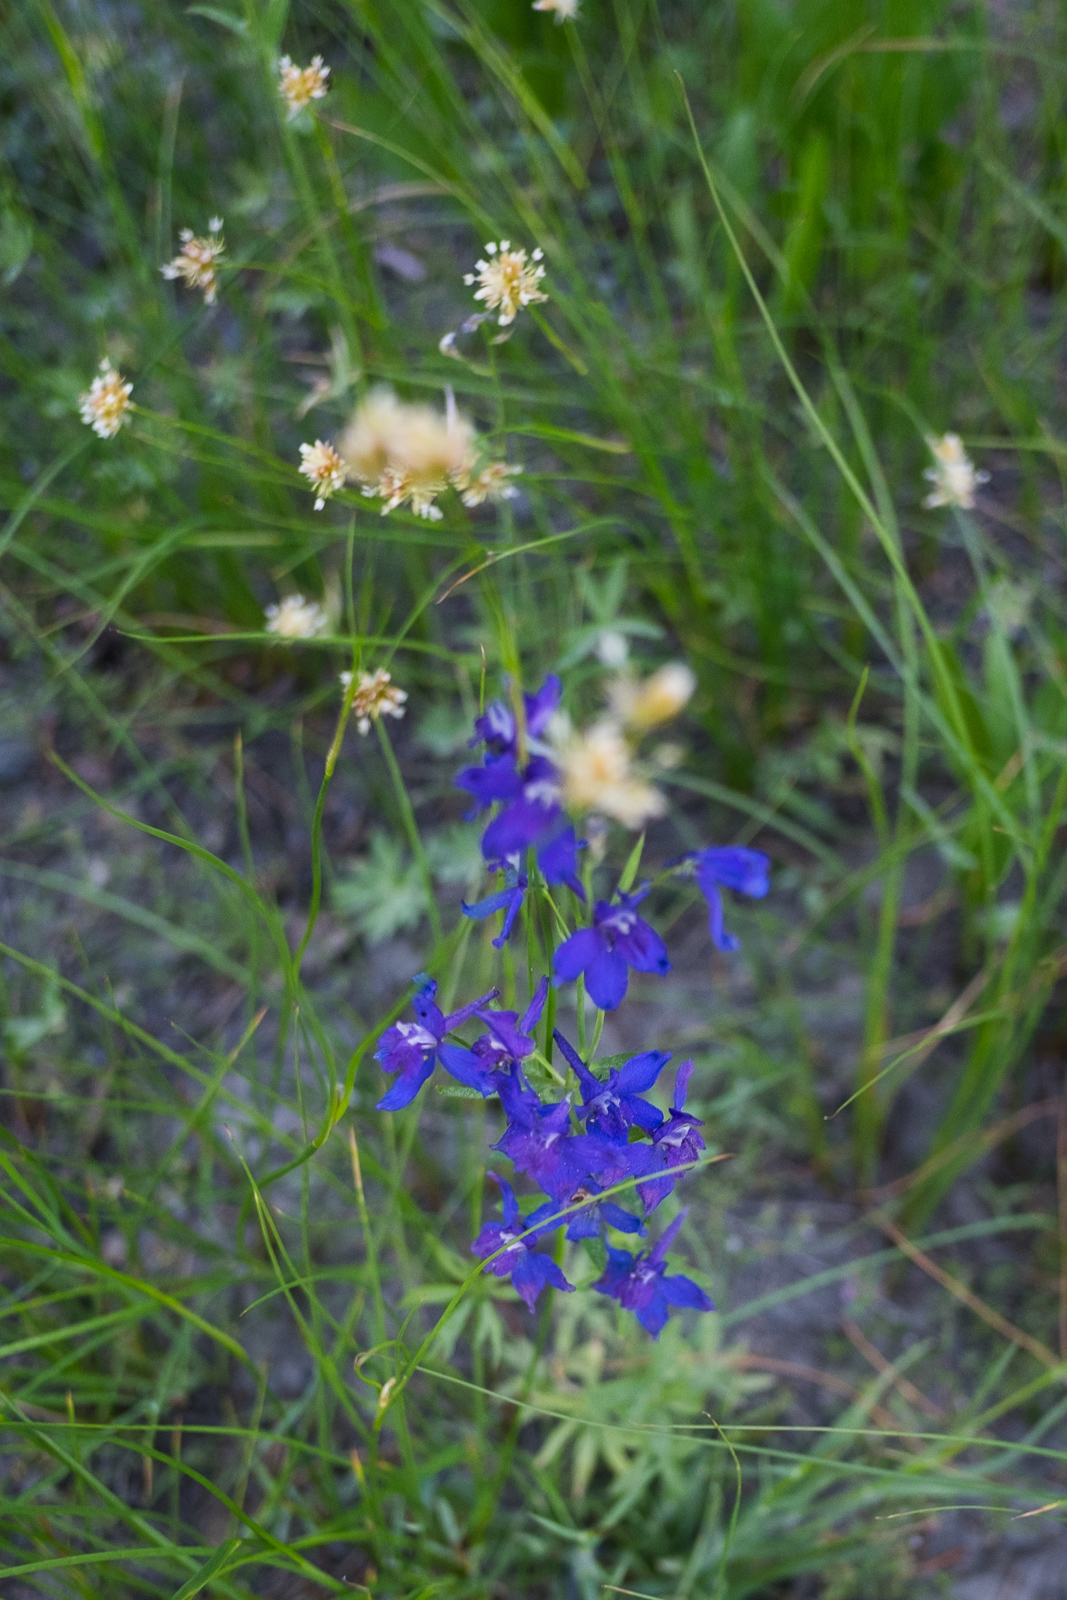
196	263
566	10
597	774
298	86
507	279
642	706
953	475
296	618
400	452
324	469
376	696
106	404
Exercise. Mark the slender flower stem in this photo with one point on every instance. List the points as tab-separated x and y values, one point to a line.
411	828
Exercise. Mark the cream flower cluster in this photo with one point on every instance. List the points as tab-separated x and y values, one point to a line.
296	618
409	454
508	279
596	765
324	469
298	86
196	263
106	404
566	10
376	696
953	476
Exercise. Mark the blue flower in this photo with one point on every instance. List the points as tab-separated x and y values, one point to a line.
615	1106
530	797
640	1284
589	1221
558	861
538	1142
674	1143
496	780
412	1049
619	938
532	813
529	1272
732	867
497	728
507	1043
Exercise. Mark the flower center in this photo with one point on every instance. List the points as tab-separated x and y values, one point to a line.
415	1033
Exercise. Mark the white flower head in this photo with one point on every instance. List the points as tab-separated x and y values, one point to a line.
566	10
490	483
324	469
376	696
953	476
596	774
642	706
296	618
508	279
298	86
408	453
106	404
196	263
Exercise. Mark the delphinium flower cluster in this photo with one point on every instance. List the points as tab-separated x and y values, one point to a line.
601	1156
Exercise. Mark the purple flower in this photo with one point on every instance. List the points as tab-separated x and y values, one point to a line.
674	1143
744	871
411	1049
497	727
538	1142
508	899
507	1043
615	1106
529	1272
532	813
558	861
618	939
497	779
588	1222
640	1284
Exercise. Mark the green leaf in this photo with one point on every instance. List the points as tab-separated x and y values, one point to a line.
384	894
225	19
629	871
209	1570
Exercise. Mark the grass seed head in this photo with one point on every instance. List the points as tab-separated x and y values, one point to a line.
296	618
324	469
105	406
953	476
508	279
196	263
566	10
376	696
401	452
298	86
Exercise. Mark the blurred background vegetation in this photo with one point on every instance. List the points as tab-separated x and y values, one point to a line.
787	244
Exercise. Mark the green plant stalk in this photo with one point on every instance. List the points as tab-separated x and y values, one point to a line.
411	828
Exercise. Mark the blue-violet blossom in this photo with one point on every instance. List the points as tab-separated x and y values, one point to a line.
615	1106
675	1142
618	939
509	1041
529	1272
412	1049
731	867
558	861
640	1284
